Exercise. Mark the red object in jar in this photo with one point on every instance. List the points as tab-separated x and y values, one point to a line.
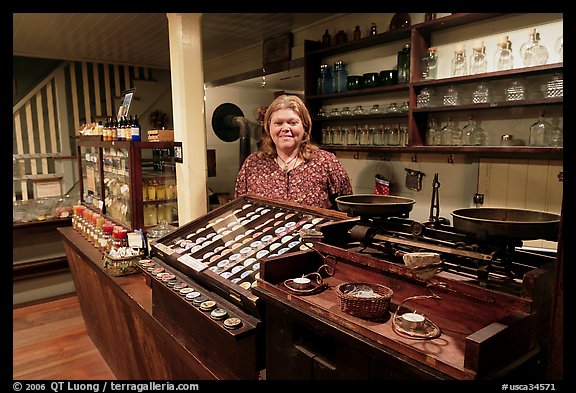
119	238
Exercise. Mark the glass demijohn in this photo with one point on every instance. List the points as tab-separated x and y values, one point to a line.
533	52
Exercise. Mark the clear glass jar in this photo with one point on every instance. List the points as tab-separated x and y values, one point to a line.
559	47
321	113
532	52
161	230
392	108
119	236
481	95
459	61
555	86
540	131
473	134
358	111
337	136
429	65
446	133
433	134
478	61
403	135
150	215
364	138
326	136
516	90
379	139
423	99
404	108
375	110
555	138
105	240
393	135
452	96
335	112
346	111
351	137
503	58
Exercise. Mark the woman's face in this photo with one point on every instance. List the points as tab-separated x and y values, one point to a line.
286	129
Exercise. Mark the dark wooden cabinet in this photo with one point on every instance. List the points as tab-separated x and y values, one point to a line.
420	36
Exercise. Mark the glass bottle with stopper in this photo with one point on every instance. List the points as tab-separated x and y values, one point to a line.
533	53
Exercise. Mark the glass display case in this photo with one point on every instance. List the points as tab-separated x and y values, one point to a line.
131	183
224	249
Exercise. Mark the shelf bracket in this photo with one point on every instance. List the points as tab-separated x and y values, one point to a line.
356	155
414	158
451	159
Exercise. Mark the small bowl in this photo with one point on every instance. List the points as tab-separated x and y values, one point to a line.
388	77
371	79
412	320
301	283
354	82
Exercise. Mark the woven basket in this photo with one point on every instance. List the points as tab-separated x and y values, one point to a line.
121	266
365	307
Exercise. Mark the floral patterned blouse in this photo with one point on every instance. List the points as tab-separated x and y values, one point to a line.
316	182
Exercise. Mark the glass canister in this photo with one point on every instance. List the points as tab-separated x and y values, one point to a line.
335	112
325	81
555	86
423	99
532	52
157	232
403	65
433	133
375	110
358	111
404	108
364	137
337	136
503	58
481	95
393	137
378	136
351	136
326	136
346	111
539	131
459	61
478	61
516	90
150	215
340	77
392	108
429	65
452	96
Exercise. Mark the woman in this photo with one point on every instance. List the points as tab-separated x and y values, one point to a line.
288	166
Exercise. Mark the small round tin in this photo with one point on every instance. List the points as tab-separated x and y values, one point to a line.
232	323
222	264
266	238
178	286
208	305
263	253
316	220
226	274
199	300
279	230
246	206
279	214
249	261
290	224
145	262
234	257
167	277
245	285
185	291
192	295
237	268
246	273
157	270
218	313
289	215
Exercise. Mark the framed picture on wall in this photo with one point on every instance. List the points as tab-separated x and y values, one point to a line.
127	96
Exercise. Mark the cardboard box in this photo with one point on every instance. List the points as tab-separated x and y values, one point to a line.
161	135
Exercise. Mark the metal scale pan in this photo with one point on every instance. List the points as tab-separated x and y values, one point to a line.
368	205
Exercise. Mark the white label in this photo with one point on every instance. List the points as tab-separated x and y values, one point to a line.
192	262
134	240
165	249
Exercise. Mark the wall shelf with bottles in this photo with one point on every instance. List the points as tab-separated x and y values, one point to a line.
420	37
131	183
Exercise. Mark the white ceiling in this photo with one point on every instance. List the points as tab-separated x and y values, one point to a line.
142	38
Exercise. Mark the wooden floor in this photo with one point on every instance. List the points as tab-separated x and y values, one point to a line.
51	343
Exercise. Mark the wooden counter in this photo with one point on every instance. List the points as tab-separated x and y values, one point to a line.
119	320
